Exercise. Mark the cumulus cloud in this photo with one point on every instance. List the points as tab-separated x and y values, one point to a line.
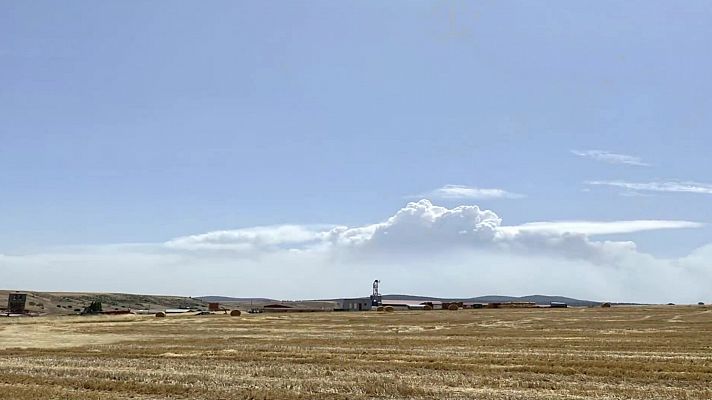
422	225
422	248
417	224
611	158
470	192
669	186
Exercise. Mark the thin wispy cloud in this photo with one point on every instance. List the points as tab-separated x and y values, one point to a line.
591	228
611	158
670	186
469	192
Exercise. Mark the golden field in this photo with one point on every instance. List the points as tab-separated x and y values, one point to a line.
594	353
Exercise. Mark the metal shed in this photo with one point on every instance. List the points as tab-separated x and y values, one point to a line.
357	304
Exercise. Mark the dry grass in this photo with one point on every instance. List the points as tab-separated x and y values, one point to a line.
617	353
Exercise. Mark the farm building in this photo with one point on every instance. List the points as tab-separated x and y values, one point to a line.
436	305
178	310
277	307
357	304
512	304
446	304
400	304
405	304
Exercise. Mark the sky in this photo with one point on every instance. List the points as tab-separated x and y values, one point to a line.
267	148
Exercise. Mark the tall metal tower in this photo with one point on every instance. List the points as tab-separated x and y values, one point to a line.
376	296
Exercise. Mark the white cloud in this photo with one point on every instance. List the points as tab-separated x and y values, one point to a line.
611	158
418	223
423	248
249	239
670	186
470	192
591	228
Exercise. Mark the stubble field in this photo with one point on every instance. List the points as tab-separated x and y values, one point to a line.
617	353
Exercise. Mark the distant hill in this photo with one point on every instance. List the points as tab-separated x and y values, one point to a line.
226	299
538	299
246	303
72	303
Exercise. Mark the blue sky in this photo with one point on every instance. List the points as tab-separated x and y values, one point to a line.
142	122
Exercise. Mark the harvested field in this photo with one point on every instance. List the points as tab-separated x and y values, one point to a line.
613	353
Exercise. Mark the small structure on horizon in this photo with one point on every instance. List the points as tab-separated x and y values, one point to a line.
177	310
512	304
355	304
433	304
16	303
402	305
285	308
213	307
276	306
376	298
458	304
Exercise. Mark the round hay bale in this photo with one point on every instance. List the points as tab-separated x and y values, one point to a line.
235	313
452	307
428	307
388	309
606	305
379	308
160	314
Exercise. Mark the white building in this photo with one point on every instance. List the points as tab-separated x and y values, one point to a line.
357	304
